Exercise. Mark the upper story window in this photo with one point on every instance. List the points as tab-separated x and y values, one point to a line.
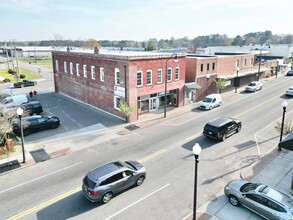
56	65
117	76
160	76
251	61
213	66
102	74
93	72
177	73
149	77
244	62
77	69
71	68
65	67
169	75
116	102
237	63
208	67
139	78
201	67
84	71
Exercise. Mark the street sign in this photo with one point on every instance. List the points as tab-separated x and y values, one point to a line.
120	91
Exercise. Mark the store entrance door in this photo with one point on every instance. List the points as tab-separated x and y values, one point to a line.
153	104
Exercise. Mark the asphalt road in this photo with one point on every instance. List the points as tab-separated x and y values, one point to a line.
51	190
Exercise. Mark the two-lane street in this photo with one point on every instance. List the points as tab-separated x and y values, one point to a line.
53	188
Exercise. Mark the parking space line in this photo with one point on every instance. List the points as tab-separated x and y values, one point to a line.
127	207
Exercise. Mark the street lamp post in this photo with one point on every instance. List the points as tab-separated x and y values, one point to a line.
19	111
166	78
277	70
236	83
196	151
284	105
208	77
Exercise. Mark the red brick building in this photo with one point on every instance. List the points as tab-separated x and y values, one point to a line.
103	80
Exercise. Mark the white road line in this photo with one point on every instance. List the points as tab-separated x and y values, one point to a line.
137	202
57	171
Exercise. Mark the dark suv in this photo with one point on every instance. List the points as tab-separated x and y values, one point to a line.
221	128
33	107
102	183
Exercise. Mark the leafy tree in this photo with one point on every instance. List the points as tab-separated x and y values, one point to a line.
91	44
238	41
152	44
125	110
220	84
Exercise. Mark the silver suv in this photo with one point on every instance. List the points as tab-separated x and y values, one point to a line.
102	183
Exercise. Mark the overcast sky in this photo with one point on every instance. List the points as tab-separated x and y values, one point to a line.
29	20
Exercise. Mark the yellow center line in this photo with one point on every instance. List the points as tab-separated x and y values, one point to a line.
193	136
69	193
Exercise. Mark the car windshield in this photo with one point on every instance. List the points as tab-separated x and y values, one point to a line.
291	89
207	100
249	187
252	84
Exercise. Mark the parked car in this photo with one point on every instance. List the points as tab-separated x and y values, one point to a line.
261	199
211	101
221	128
289	92
102	183
253	86
24	83
33	107
15	99
290	73
35	123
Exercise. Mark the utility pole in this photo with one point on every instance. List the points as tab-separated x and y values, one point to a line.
8	62
17	71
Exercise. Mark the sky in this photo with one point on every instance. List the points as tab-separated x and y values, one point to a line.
140	20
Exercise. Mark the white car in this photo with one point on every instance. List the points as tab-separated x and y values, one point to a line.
289	92
253	86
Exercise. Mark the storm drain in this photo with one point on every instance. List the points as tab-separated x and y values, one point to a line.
39	155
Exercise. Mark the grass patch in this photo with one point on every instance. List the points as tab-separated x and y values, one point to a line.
46	63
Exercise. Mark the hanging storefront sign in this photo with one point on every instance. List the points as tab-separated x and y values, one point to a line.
120	91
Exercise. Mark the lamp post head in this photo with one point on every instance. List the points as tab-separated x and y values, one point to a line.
196	149
19	111
237	68
284	104
208	76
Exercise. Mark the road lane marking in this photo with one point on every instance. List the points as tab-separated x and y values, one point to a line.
152	156
45	204
194	136
71	192
127	207
57	171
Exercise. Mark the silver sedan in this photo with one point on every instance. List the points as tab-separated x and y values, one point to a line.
261	199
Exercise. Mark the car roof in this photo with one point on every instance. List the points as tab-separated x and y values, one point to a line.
105	170
220	121
33	117
31	102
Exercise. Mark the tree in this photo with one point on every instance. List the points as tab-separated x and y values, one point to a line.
152	44
91	44
220	84
125	109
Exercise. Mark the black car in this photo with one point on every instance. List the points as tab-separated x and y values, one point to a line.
33	107
221	128
24	83
290	73
35	123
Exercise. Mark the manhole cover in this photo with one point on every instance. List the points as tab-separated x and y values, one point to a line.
131	127
39	155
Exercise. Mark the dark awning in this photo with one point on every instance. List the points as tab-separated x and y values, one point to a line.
287	143
192	86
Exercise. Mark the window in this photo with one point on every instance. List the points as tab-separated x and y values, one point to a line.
117	76
160	74
251	61
177	73
93	72
149	77
201	67
102	74
56	65
139	79
77	69
84	71
237	63
65	67
208	67
71	67
213	66
169	75
112	179
116	102
244	62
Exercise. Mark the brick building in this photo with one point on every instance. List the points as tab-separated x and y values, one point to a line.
103	80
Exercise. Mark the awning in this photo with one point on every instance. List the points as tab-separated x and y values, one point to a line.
192	86
287	143
243	73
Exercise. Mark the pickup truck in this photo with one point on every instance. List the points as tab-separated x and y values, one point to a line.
24	83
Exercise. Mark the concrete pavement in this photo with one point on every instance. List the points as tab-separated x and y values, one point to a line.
275	168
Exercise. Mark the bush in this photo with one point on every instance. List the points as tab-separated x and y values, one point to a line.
22	76
11	71
6	80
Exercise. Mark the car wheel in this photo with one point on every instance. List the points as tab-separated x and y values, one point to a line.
260	88
224	137
140	180
54	126
211	107
239	129
107	197
233	200
26	132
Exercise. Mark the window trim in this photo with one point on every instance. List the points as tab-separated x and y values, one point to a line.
169	80
71	68
102	74
151	77
65	66
116	104
161	76
117	76
177	75
77	69
84	71
93	72
141	79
